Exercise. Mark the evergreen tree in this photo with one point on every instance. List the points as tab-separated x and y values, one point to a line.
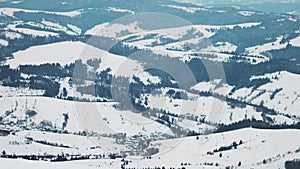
3	153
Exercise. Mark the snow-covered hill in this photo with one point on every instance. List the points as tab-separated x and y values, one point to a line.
256	146
281	94
65	53
103	118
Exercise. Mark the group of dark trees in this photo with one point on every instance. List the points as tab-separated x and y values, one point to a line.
292	164
59	157
8	76
253	36
234	145
246	123
48	69
123	50
43	79
247	70
50	87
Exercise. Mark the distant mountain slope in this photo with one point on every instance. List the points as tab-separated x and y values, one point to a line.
270	6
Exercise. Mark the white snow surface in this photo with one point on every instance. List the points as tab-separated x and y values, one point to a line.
13	164
3	42
246	13
10	12
114	9
287	98
259	49
103	118
295	42
13	27
114	30
6	91
257	146
213	109
187	9
11	35
68	52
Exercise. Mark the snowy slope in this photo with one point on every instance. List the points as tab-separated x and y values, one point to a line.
6	91
74	144
281	93
114	29
3	42
114	9
88	164
213	109
179	42
68	52
103	118
283	86
11	35
12	164
48	28
295	42
257	145
260	49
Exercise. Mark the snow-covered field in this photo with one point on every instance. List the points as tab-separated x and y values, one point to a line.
114	30
103	118
63	53
285	100
246	13
114	9
257	145
213	109
295	42
11	35
6	91
3	42
13	164
187	9
66	53
260	49
275	146
19	144
281	93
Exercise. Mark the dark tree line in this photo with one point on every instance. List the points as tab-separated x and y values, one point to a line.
292	164
259	124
